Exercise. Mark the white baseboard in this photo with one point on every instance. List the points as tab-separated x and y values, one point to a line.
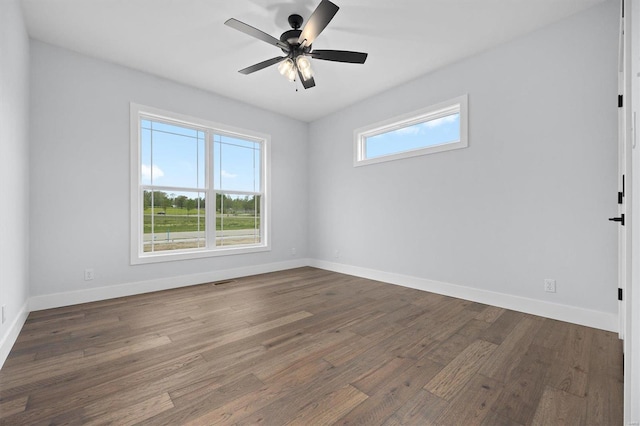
57	300
595	319
12	333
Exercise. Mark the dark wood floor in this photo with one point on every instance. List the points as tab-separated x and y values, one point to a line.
307	347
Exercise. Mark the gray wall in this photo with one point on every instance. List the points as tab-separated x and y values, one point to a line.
80	171
528	200
14	171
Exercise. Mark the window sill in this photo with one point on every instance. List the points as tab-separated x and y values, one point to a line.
158	257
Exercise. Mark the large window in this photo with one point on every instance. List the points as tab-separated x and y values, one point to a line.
433	129
198	188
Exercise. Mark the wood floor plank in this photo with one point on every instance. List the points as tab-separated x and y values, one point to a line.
332	379
118	347
330	408
373	324
521	395
509	353
353	349
129	415
442	329
559	408
605	380
606	355
473	328
306	346
79	340
203	381
371	382
46	401
190	407
473	404
320	346
604	401
501	327
454	377
11	377
277	387
448	349
63	326
494	418
13	406
576	351
16	359
569	379
490	314
391	394
422	409
447	310
552	334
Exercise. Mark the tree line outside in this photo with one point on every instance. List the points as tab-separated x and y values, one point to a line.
179	213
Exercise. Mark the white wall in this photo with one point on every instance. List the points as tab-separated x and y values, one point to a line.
14	174
80	177
528	200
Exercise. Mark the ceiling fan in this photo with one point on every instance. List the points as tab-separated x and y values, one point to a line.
296	44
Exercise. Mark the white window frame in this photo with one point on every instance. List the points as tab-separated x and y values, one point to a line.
138	256
433	112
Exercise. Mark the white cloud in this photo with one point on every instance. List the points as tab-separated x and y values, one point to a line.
435	123
226	174
417	129
146	172
411	130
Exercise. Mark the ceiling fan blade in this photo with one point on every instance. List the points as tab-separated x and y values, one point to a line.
256	33
307	84
317	22
261	65
339	56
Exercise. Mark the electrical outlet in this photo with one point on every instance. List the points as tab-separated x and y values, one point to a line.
88	274
336	254
4	317
550	285
293	251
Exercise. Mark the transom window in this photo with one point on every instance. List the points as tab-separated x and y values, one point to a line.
433	129
189	174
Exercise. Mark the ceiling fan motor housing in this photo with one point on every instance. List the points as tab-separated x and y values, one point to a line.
291	37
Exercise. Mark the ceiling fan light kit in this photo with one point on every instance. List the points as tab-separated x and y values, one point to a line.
304	66
296	44
288	69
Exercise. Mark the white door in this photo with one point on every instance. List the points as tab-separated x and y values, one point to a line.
629	162
624	168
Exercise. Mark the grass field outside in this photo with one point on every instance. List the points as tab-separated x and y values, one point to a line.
177	220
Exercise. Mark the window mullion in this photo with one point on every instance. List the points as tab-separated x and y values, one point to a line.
152	209
208	198
211	192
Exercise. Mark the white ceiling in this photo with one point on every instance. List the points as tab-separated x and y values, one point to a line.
186	41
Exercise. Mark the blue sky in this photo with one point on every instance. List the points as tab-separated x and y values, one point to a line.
421	135
174	156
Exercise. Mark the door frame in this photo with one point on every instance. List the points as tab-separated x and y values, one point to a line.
630	315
